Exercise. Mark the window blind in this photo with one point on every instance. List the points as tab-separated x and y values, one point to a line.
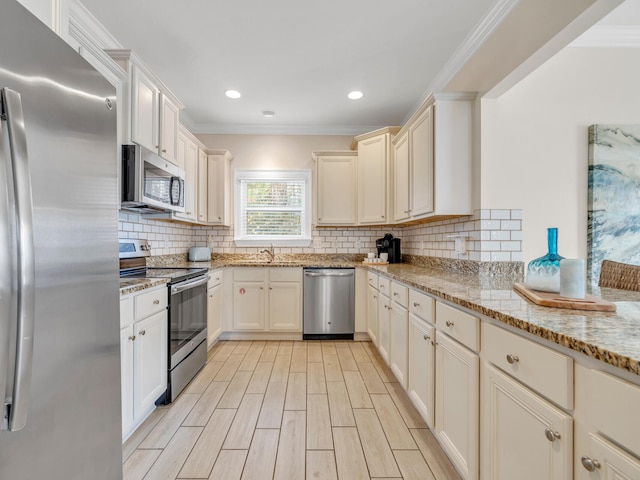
272	208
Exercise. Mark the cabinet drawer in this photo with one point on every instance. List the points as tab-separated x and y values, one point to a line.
421	305
249	274
372	278
126	311
548	372
463	327
613	405
215	278
151	302
384	285
277	274
399	294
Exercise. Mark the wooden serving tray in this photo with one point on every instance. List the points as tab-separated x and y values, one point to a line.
547	299
364	262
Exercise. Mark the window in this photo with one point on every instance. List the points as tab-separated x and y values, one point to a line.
273	207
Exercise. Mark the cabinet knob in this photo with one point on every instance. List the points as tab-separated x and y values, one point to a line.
590	464
219	218
449	323
427	337
164	150
188	213
156	302
395	294
270	288
375	296
142	332
261	288
319	219
434	343
512	358
132	338
416	304
551	435
381	216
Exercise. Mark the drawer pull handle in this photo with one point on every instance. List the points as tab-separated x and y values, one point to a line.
427	337
551	435
156	302
395	294
142	332
416	304
589	463
449	323
132	338
375	296
512	358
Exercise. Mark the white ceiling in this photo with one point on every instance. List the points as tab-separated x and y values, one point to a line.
297	58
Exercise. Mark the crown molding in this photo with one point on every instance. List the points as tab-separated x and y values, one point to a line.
227	129
618	36
483	30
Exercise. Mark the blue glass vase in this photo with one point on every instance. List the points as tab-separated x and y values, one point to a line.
543	273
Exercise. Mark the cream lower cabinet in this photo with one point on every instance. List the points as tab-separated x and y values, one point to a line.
457	404
143	353
214	307
384	321
421	384
372	314
605	461
267	299
523	435
399	333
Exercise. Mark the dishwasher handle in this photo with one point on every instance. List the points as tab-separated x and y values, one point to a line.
328	274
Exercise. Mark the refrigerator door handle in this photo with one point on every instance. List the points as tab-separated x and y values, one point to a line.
11	106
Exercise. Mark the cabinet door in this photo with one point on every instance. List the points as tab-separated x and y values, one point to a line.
169	115
457	404
422	367
248	305
399	342
144	110
421	155
372	314
218	190
609	462
523	435
190	182
401	179
214	314
126	367
202	176
384	319
150	371
372	180
285	306
336	190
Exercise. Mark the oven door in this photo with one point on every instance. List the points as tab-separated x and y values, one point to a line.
188	312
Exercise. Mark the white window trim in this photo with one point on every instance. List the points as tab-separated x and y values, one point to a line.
305	241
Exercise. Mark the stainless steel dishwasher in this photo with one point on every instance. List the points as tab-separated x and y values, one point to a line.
329	303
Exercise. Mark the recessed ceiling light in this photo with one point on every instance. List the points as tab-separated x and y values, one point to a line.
232	94
268	113
355	95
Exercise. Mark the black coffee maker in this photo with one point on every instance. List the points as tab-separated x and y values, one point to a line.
391	246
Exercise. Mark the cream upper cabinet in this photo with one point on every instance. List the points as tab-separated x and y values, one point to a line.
203	187
188	158
336	175
169	119
145	110
219	187
401	178
152	109
374	175
432	160
523	435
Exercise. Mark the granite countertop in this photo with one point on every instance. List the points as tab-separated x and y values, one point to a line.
131	285
613	338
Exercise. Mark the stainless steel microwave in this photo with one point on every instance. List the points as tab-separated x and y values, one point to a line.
150	184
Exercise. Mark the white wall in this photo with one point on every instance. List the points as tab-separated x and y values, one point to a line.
535	144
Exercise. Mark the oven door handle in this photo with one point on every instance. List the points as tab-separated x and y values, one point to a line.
181	287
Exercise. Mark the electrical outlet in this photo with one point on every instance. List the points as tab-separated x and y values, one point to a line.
358	243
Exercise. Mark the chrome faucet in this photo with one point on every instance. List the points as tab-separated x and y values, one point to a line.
269	252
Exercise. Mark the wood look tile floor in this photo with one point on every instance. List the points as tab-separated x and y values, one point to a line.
285	410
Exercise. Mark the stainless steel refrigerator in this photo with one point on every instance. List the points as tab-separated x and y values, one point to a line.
59	310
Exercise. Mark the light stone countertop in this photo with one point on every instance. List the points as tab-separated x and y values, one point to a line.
613	338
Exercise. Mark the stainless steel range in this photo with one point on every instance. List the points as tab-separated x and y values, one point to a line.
187	290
